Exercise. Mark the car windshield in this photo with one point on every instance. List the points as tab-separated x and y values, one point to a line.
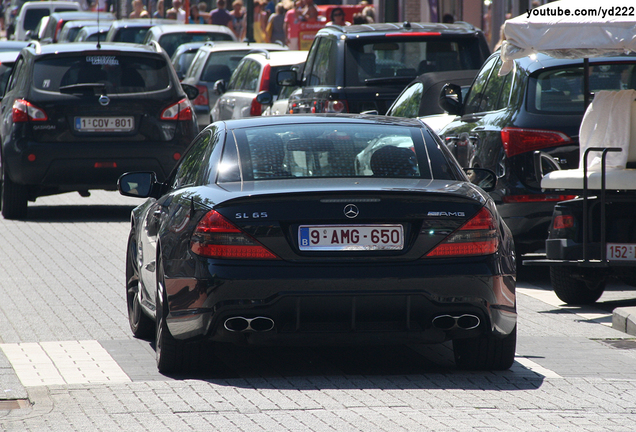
326	150
171	41
115	72
370	61
560	90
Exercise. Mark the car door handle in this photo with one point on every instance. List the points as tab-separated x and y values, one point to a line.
479	128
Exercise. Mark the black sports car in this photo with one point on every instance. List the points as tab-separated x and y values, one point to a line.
270	231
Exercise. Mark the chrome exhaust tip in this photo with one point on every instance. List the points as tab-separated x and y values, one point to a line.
449	322
242	324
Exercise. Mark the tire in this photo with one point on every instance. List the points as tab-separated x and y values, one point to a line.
485	352
142	326
14	199
570	287
170	352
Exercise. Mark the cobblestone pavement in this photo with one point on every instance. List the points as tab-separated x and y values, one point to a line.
69	363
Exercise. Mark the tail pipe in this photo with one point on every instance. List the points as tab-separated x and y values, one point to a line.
450	322
242	324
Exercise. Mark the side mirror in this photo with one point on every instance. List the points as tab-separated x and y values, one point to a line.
219	87
29	35
265	98
138	184
450	99
482	177
287	78
191	91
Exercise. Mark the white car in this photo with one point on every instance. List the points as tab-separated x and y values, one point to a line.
32	12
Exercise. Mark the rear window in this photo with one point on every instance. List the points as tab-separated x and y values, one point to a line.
394	57
326	150
131	35
561	90
116	72
171	41
33	16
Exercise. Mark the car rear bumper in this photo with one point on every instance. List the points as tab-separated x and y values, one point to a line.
95	165
309	305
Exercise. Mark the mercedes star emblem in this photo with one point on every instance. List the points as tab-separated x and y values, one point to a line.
351	211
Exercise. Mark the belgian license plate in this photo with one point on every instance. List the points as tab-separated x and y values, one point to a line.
104	124
621	252
351	237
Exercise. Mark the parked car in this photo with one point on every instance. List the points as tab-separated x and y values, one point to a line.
33	11
10	45
133	30
170	36
183	56
347	64
76	116
71	29
253	84
57	21
504	119
92	33
212	62
421	98
266	234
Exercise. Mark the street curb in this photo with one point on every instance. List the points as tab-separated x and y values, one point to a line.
624	319
10	386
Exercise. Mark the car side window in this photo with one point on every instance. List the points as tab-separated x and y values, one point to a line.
473	100
408	104
309	65
490	98
17	71
324	70
251	76
197	64
504	94
238	77
190	170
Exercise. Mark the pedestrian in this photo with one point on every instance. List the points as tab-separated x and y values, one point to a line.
195	16
178	10
276	25
220	15
138	10
203	11
310	12
259	23
360	18
238	19
292	18
338	17
160	12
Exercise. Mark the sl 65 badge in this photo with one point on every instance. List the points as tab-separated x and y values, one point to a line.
255	215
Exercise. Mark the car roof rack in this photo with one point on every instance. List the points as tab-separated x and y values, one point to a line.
37	46
155	45
260	51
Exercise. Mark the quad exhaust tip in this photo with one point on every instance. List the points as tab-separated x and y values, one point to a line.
449	322
242	324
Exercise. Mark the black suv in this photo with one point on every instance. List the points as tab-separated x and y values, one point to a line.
365	67
537	107
76	116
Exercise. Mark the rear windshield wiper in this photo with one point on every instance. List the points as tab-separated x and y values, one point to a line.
385	80
81	87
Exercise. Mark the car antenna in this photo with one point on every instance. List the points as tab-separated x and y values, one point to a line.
98	44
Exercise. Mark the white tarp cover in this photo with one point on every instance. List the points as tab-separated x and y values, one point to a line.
592	29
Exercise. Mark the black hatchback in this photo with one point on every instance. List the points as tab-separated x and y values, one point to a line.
77	116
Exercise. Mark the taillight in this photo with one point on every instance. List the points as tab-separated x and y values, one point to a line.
181	110
58	27
478	236
335	106
24	111
563	222
536	198
265	77
202	98
217	237
256	108
517	140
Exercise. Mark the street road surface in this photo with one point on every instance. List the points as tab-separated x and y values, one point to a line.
68	361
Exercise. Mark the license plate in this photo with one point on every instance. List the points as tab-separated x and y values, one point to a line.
104	124
351	237
621	252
